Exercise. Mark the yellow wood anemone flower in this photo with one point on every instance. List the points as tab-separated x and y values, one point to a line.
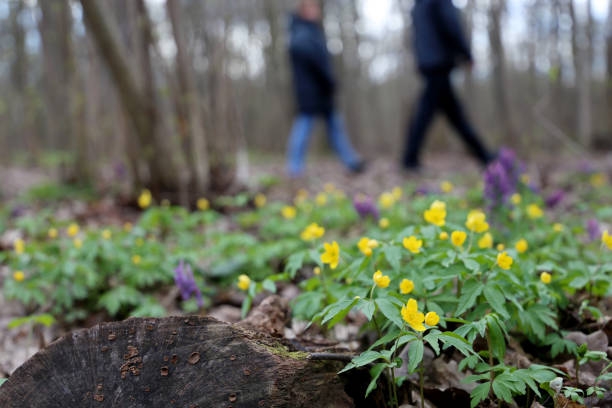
321	199
486	241
406	286
413	244
432	319
558	227
386	200
203	204
436	214
516	198
412	316
107	234
443	235
288	212
19	276
458	238
606	238
78	244
52	233
383	223
136	259
504	260
312	232
534	211
380	280
73	230
244	282
477	221
144	199
366	245
446	186
19	246
521	245
260	200
331	256
545	277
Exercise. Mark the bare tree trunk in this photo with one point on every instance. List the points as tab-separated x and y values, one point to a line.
609	65
188	107
505	117
140	105
469	28
582	67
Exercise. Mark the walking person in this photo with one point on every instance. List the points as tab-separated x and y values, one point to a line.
440	45
315	87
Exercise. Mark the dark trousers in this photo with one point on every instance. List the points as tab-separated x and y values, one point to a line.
439	95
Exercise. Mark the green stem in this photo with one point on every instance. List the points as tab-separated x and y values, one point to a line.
491	372
421	384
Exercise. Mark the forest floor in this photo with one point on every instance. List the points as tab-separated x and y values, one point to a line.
381	175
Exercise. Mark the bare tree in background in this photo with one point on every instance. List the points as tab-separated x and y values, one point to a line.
609	65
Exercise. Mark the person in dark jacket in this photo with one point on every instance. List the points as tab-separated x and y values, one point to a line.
440	44
315	86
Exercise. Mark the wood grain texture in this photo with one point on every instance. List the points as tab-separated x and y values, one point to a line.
172	362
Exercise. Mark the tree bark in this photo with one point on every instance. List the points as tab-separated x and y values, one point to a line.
177	361
582	68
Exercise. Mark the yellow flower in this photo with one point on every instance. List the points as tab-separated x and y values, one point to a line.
136	259
321	199
329	188
316	270
477	221
504	260
52	233
525	178
607	239
312	232
545	277
406	286
397	193
19	246
244	282
521	246
516	198
383	223
501	247
19	276
72	230
366	245
145	198
413	244
534	211
127	227
203	204
77	243
289	212
331	255
139	241
432	318
436	214
557	227
486	241
380	280
386	200
260	200
107	234
598	179
446	186
443	235
458	238
301	196
412	316
165	203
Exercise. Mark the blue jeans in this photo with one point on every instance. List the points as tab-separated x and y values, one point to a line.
336	134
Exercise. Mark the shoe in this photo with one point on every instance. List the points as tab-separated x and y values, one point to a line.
359	167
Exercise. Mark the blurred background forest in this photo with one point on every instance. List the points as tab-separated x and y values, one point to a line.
177	95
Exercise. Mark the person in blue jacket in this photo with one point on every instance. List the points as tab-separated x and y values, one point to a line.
439	44
315	87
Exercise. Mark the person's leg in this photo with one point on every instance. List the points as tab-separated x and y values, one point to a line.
298	144
339	141
455	114
421	119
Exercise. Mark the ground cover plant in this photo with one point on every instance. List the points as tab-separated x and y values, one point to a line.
473	276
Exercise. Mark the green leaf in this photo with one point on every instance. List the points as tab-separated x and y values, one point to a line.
471	264
363	359
496	299
338	311
246	306
479	394
415	355
294	263
498	341
2	381
269	285
390	311
367	307
458	342
471	290
432	339
375	373
394	256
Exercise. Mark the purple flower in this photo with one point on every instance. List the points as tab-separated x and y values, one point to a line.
183	277
555	199
501	178
423	190
365	206
593	229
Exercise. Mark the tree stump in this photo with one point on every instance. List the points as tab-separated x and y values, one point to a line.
185	362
